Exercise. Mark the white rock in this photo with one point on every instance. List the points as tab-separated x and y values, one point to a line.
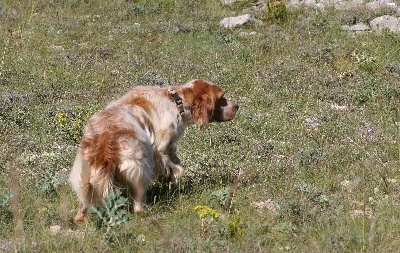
56	48
339	107
381	3
232	22
243	34
358	28
55	229
227	2
268	204
386	22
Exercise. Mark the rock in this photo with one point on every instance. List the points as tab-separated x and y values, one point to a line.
56	229
311	124
306	3
232	22
227	2
114	72
244	34
141	239
381	3
259	6
385	22
6	245
261	206
342	4
56	48
346	184
359	213
348	5
358	28
339	107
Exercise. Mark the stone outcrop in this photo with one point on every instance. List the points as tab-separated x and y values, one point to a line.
228	2
232	22
390	23
357	28
343	4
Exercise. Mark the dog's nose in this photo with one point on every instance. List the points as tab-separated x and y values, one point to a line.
237	107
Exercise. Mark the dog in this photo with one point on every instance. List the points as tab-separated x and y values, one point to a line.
134	140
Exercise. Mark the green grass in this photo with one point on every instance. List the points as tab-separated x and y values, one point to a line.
292	145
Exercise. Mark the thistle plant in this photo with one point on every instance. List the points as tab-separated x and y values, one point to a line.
5	198
113	213
221	196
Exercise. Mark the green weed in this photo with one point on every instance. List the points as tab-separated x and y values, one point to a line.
72	124
113	212
275	12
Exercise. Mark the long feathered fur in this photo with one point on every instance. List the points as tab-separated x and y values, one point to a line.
134	140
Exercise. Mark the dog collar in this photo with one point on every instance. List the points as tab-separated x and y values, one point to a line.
177	99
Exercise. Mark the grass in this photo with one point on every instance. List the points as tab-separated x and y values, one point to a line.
316	135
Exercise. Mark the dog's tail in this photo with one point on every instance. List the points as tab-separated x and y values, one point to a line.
79	179
90	185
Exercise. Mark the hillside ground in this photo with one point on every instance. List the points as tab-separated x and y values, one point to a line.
310	164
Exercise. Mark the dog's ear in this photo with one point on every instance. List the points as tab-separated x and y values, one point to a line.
202	110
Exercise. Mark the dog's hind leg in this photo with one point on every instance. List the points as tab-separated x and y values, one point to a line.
79	180
137	175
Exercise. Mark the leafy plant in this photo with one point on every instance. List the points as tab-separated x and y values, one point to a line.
143	9
113	213
207	216
315	195
365	61
310	156
207	213
5	198
72	123
221	195
49	182
276	11
5	202
233	228
239	5
45	167
286	227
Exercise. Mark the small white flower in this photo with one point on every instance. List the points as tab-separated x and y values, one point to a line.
141	238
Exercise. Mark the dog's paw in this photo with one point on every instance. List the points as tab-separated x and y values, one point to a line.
176	172
82	216
139	207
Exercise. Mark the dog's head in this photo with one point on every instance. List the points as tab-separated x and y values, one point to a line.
208	104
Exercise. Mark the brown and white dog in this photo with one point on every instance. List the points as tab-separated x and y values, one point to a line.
134	140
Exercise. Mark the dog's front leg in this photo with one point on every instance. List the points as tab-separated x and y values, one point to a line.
174	163
138	193
176	169
82	215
